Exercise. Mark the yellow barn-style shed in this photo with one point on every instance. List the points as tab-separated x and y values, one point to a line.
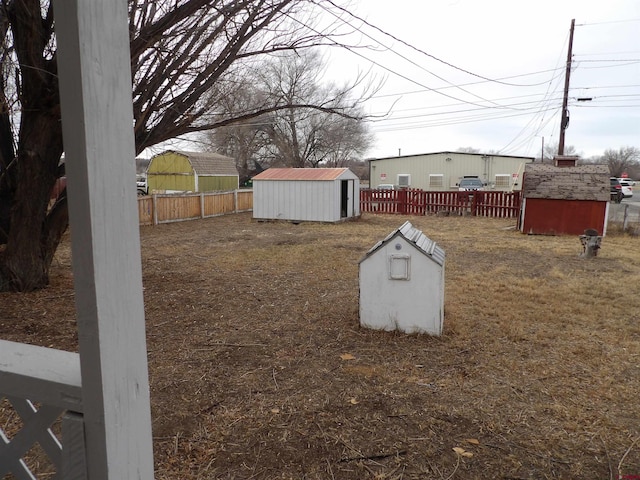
176	171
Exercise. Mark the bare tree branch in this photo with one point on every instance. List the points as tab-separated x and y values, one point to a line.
186	59
307	123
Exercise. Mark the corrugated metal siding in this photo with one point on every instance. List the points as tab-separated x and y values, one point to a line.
302	200
420	167
305	194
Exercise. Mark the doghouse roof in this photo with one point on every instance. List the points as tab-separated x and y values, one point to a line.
207	163
414	236
583	182
304	174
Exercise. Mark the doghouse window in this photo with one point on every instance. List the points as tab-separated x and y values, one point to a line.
399	266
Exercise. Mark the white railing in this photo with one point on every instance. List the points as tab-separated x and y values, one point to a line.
42	386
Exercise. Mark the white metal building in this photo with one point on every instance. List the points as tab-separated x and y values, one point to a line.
306	194
402	283
443	170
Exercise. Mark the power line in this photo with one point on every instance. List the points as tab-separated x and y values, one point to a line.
541	114
616	60
401	56
542	111
606	86
373	62
456	120
559	70
608	22
626	52
444	62
513	106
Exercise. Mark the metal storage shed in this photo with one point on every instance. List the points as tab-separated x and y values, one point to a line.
306	194
176	171
564	200
402	283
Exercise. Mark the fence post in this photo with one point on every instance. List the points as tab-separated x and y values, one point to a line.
402	201
625	219
474	203
154	203
94	69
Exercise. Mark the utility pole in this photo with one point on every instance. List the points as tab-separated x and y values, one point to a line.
564	123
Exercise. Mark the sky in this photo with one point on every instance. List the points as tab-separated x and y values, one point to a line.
490	74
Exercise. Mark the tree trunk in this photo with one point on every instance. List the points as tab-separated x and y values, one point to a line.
24	263
34	231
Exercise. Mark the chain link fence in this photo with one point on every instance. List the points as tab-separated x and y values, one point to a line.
624	217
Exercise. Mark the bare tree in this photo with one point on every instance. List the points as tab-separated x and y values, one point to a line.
298	135
181	50
622	160
551	151
243	140
344	142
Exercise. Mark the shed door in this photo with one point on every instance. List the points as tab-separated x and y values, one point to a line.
346	209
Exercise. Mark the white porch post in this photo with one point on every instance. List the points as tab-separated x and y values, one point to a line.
95	89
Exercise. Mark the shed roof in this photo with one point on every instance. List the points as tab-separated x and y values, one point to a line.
302	174
582	182
414	236
208	163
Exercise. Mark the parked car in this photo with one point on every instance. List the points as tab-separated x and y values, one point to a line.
386	186
616	190
470	184
143	188
627	179
627	187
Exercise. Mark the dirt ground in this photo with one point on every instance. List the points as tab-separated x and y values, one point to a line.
259	368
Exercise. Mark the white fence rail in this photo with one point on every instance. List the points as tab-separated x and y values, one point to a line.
43	387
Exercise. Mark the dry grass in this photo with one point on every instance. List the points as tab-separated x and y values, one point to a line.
259	368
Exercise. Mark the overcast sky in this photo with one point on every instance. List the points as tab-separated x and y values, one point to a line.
496	82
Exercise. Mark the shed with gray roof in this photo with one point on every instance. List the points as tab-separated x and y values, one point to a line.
179	171
564	200
402	283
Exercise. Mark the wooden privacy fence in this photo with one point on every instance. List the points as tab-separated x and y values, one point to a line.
496	204
166	208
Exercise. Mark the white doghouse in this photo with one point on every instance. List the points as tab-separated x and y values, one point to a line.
402	283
